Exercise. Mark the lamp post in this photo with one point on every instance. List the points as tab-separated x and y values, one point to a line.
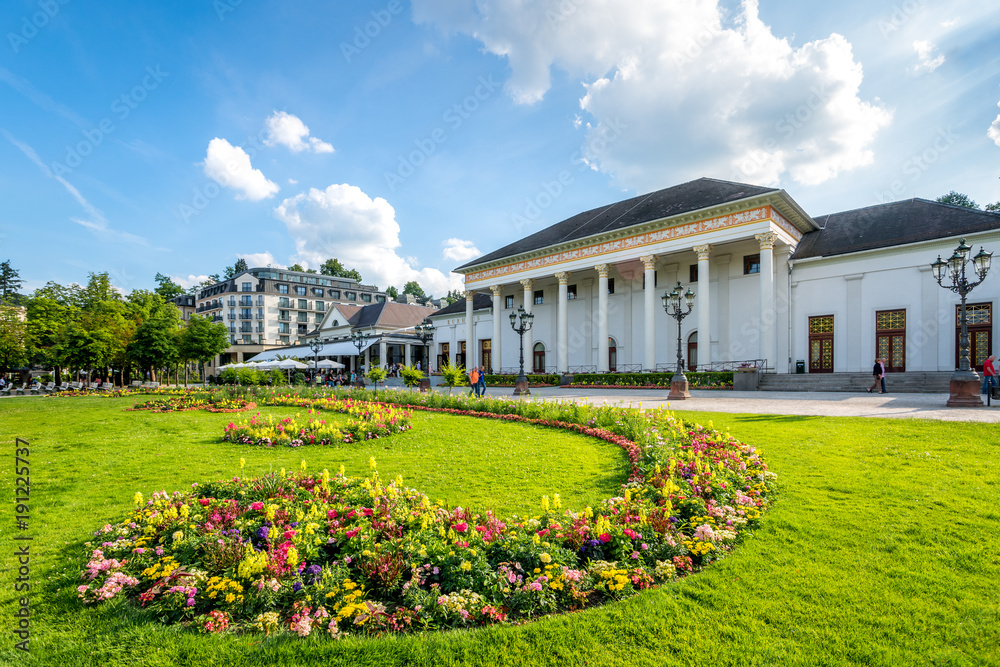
359	339
315	345
425	332
672	306
521	323
965	388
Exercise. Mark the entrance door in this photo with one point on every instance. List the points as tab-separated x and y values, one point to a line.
460	357
486	354
890	339
821	344
612	355
538	359
980	325
693	351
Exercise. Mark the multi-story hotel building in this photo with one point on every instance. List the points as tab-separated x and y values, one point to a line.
266	307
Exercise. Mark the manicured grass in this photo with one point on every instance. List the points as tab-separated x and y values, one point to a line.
882	547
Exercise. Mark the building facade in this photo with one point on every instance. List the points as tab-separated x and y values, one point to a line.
772	285
268	307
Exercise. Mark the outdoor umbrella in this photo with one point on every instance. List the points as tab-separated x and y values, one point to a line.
328	363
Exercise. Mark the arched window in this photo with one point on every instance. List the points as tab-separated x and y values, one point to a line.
538	358
612	355
693	351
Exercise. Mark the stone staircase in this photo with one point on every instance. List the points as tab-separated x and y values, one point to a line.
914	382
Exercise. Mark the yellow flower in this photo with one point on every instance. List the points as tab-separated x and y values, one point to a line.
303	464
371	462
243	462
137	498
545	558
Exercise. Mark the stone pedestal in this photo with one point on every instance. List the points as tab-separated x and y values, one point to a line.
521	388
425	384
678	390
965	391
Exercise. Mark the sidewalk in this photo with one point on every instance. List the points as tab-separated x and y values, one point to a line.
823	404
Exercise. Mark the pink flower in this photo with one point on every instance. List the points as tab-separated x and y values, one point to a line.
461	527
351	533
258	506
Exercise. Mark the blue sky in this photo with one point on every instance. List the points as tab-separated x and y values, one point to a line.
405	138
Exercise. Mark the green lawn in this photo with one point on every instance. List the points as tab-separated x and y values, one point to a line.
881	549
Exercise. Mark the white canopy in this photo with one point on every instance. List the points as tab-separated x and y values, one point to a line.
328	363
343	348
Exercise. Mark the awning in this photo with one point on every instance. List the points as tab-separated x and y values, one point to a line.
344	348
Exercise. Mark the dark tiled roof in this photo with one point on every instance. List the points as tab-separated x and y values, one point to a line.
479	302
886	225
677	200
390	314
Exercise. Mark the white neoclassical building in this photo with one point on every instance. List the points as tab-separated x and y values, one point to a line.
772	283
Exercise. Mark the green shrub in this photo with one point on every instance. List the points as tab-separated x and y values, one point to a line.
509	380
299	378
411	376
454	376
696	379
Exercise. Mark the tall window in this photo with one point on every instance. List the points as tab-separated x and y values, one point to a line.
539	297
247	287
890	339
508	301
693	273
611	285
282	289
303	304
751	264
300	290
571	292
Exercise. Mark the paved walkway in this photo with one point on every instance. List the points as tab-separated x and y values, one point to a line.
826	404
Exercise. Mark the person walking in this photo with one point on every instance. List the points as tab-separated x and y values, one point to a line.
482	382
989	374
474	381
877	375
882	379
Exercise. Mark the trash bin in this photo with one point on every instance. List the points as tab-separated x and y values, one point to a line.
800	366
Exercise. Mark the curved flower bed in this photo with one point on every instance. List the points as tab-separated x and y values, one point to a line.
365	421
327	553
185	403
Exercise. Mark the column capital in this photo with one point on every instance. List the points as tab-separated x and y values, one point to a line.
648	262
469	295
496	290
766	240
527	283
602	270
563	277
702	251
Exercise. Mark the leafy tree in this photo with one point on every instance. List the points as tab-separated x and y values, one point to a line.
13	338
202	339
414	288
99	288
957	199
994	207
237	268
452	297
66	296
47	317
10	282
167	288
333	267
154	344
296	267
211	280
392	292
454	376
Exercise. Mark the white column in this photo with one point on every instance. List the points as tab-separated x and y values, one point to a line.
497	292
470	332
383	353
649	313
529	294
602	318
453	345
704	307
368	359
767	306
406	354
562	351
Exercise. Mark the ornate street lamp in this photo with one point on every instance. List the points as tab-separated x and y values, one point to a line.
359	339
425	332
521	323
965	385
672	306
315	345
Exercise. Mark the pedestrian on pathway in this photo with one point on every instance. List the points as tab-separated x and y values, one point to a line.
482	382
989	374
877	374
882	379
474	381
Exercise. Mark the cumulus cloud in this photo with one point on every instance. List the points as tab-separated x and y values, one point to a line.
927	61
994	130
721	96
344	222
459	250
289	130
230	167
260	259
190	280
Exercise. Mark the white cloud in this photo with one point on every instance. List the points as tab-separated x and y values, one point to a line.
289	130
344	222
189	281
230	167
927	61
722	97
260	259
459	250
994	130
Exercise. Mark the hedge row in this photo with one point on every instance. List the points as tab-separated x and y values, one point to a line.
508	380
705	379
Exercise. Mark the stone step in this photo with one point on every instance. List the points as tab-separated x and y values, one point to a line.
915	382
